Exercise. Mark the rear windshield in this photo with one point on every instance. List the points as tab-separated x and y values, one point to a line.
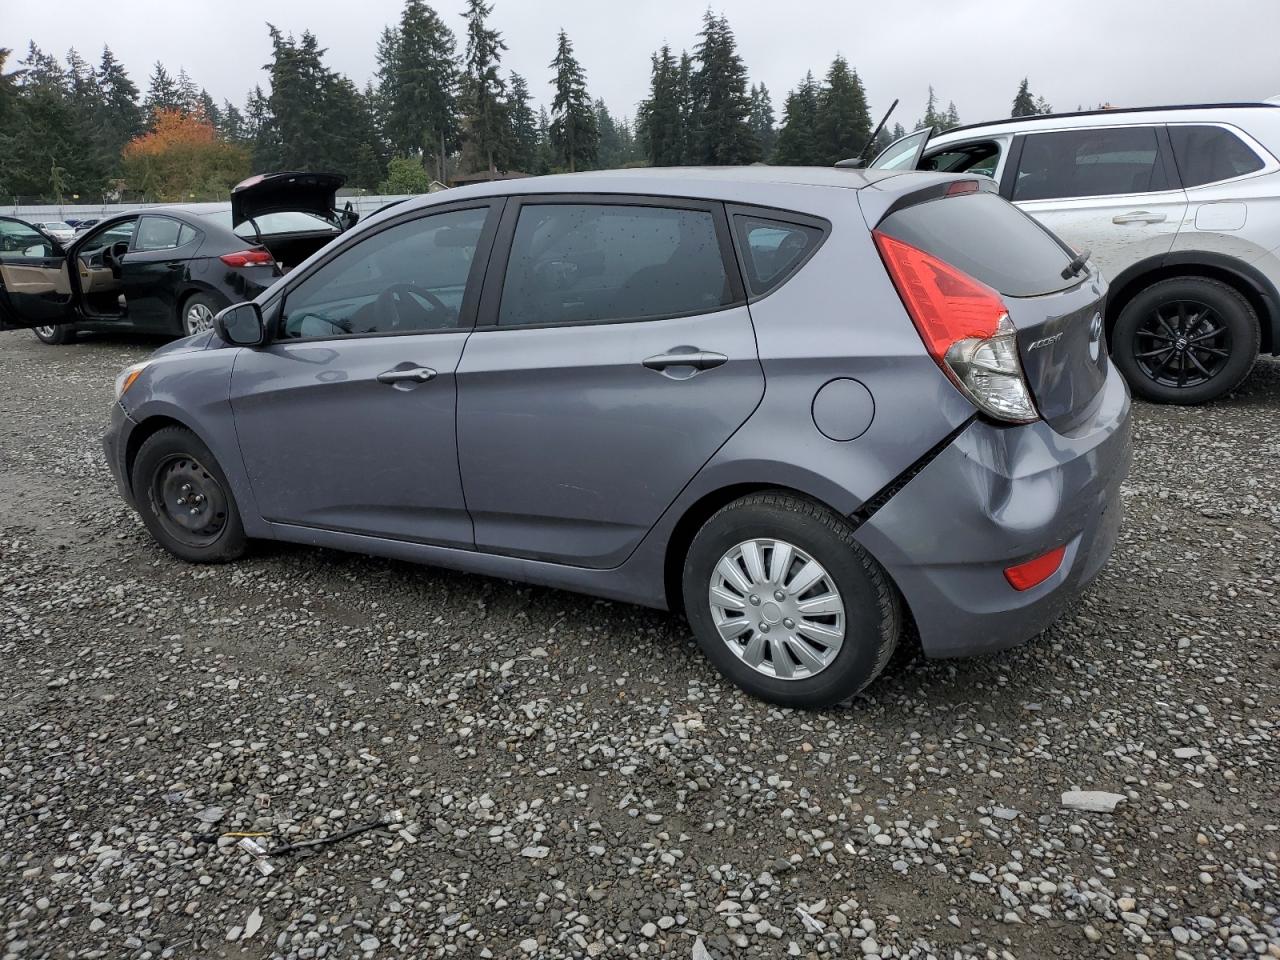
272	224
988	238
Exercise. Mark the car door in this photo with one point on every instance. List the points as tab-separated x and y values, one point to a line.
1110	190
346	419
35	281
613	357
153	272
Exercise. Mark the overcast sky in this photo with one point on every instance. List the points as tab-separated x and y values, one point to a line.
1126	52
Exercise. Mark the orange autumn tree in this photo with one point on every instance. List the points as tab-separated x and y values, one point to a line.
182	159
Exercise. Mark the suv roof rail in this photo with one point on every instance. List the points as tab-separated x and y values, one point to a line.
1113	111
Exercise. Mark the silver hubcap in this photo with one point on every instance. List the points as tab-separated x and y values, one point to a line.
777	609
44	331
199	318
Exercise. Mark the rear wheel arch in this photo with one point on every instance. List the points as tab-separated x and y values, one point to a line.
702	510
197	290
1244	279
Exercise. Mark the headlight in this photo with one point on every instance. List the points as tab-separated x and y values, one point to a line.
127	376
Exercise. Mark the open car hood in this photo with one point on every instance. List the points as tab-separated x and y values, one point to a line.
314	193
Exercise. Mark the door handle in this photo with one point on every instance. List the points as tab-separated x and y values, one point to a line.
698	359
407	375
1139	216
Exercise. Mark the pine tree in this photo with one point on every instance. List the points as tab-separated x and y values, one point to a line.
485	122
797	140
951	118
843	124
417	85
931	118
1024	104
543	164
575	141
688	110
762	120
188	94
722	129
162	93
524	125
232	126
659	121
122	118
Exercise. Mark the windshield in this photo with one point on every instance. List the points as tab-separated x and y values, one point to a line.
272	224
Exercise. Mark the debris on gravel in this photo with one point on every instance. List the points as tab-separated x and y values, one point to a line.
556	776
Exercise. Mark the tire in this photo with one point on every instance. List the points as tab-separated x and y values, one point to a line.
1181	312
56	336
197	312
168	460
871	608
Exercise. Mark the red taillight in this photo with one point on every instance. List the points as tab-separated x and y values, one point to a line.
961	187
945	304
1024	576
248	258
965	328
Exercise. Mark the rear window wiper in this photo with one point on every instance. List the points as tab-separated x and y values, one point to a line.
1076	265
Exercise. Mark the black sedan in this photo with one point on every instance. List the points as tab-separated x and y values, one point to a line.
167	270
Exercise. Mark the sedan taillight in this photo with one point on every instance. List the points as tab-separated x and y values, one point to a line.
248	258
965	327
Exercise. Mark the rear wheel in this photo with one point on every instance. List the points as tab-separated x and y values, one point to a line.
198	311
184	498
786	604
1185	340
55	336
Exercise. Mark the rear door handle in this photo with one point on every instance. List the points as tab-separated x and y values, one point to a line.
407	375
1139	216
698	359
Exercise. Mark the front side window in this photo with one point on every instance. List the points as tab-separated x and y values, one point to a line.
157	233
23	240
1089	163
902	154
1206	154
578	263
772	249
410	278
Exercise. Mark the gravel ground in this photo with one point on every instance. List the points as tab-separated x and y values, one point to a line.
567	777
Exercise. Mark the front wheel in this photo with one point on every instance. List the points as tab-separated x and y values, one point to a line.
184	498
785	602
55	336
1186	340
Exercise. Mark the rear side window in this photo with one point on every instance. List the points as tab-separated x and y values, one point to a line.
1089	163
989	239
157	233
1207	154
772	250
579	263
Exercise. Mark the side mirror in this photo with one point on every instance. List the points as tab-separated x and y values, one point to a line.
349	217
241	325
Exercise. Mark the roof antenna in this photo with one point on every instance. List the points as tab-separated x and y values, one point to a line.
861	159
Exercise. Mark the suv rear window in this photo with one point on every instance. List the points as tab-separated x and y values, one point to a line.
1207	154
988	238
1089	163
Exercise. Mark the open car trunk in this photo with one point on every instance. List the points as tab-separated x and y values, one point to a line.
292	214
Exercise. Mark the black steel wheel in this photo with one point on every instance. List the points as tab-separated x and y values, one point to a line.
184	498
1186	340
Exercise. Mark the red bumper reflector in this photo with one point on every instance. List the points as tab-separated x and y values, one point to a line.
1024	576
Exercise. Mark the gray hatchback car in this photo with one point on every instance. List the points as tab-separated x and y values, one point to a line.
810	408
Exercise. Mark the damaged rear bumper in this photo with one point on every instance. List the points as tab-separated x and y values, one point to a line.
997	496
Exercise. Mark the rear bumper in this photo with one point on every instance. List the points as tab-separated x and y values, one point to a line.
115	443
995	497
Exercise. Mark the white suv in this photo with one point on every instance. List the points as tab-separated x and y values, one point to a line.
1179	207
